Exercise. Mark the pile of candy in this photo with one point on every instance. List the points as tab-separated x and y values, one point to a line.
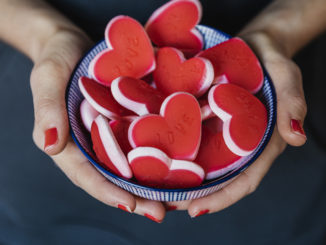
171	115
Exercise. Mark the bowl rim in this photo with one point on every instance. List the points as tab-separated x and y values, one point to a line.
211	183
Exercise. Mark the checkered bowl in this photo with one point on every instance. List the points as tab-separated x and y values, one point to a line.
82	138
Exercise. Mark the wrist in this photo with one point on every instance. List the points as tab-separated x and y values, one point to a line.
273	32
264	45
28	25
45	26
290	24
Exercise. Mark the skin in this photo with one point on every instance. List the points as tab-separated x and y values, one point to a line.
55	45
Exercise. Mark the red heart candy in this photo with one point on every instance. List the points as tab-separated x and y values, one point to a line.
184	174
176	131
206	111
87	114
101	99
244	117
234	62
154	168
173	25
213	155
107	148
129	53
137	95
120	130
174	73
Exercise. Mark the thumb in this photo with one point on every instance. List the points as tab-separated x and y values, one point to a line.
48	83
291	104
49	80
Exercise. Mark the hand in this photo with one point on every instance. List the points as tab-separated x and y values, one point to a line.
291	111
49	78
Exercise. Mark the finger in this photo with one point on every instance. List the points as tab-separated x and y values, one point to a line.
49	79
48	83
243	185
84	175
153	210
291	104
179	205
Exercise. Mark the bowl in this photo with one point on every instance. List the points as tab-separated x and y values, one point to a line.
82	138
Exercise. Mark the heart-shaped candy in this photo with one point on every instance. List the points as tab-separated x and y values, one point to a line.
174	73
206	111
244	117
213	155
176	131
137	95
120	130
101	99
234	62
129	53
107	148
173	25
152	167
87	114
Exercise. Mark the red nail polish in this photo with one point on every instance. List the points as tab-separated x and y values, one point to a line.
152	218
51	137
297	128
171	208
201	213
124	208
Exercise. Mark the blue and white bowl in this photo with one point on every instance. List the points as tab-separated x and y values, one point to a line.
83	141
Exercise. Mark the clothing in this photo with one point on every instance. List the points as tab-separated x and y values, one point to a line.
39	205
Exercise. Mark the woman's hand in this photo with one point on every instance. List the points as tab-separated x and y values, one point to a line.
55	45
49	78
291	111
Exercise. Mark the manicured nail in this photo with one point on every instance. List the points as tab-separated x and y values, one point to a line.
124	208
152	218
201	213
51	137
297	127
171	208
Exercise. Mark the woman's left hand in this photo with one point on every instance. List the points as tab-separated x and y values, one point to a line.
291	111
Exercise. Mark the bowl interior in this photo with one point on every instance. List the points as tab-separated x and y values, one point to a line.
83	141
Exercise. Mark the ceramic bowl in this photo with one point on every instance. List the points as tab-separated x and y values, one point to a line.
82	138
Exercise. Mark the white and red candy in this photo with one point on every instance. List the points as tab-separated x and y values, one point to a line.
129	52
206	111
101	99
173	25
152	167
87	114
234	62
187	141
120	130
214	156
107	148
244	117
174	73
176	131
137	95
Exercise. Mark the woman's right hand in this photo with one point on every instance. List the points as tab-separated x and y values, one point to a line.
49	78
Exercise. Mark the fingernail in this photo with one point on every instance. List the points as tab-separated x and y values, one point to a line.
297	127
171	208
51	137
152	218
200	213
124	208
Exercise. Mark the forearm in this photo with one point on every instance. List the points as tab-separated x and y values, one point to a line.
28	24
290	23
